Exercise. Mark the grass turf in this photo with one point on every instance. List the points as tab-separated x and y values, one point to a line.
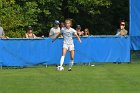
103	78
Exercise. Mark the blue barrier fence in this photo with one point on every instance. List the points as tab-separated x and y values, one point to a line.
134	18
135	43
135	24
26	52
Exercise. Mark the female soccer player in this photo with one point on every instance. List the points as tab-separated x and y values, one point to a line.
68	44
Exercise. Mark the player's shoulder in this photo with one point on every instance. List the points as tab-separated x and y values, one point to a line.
72	29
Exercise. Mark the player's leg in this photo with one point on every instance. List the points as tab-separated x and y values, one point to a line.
64	51
72	59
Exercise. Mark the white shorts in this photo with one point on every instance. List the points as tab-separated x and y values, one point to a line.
68	47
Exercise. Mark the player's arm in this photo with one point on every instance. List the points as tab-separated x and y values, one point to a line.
57	37
78	38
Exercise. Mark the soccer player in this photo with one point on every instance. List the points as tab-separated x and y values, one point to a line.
68	44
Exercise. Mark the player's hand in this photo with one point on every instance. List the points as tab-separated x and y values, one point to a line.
80	41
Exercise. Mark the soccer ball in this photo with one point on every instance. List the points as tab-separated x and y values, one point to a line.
60	68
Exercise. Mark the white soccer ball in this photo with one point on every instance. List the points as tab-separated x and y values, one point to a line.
92	65
60	68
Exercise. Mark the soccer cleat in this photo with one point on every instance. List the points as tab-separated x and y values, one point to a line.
60	68
69	69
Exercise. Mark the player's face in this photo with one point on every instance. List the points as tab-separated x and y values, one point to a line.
68	24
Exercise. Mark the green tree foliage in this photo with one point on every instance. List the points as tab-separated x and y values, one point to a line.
15	18
100	16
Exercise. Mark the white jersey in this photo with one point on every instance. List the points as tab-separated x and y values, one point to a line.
54	32
68	34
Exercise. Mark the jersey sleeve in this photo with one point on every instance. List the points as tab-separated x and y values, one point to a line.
74	31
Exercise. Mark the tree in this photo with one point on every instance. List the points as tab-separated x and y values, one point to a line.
100	16
15	18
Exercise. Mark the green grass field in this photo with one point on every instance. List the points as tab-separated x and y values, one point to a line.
103	78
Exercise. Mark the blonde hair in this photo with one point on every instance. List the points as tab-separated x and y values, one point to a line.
68	20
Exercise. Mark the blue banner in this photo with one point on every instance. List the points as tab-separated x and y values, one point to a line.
134	17
26	52
135	43
135	24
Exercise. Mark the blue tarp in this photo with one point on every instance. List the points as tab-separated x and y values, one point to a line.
135	24
135	43
25	52
134	17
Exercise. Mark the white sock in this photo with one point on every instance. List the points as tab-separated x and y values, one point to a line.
62	60
71	64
